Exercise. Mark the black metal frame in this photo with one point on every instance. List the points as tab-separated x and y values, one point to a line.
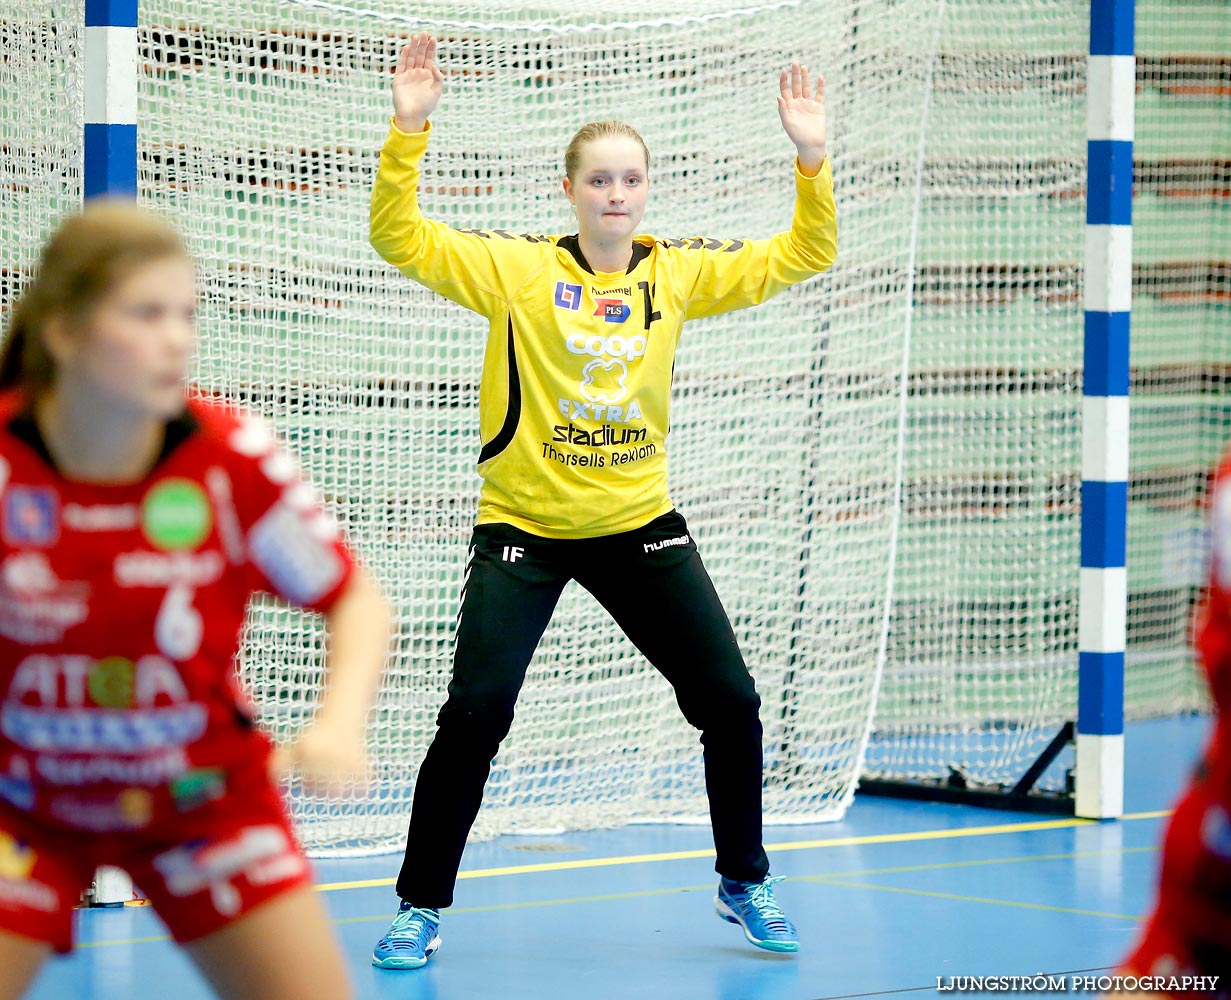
957	788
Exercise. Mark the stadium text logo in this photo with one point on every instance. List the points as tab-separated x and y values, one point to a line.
604	437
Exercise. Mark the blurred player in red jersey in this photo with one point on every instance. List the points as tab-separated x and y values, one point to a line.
1189	932
135	523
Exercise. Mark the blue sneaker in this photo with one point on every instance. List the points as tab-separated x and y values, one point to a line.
410	940
753	907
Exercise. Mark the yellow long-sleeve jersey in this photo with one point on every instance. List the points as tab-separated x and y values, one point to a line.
575	393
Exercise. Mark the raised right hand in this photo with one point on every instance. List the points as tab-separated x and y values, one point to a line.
417	83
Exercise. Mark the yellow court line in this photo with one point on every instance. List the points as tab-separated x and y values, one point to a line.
453	910
125	941
833	878
801	845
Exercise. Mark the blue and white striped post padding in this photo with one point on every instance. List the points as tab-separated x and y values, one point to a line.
110	98
1111	92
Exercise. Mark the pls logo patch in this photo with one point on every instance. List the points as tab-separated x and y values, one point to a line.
613	310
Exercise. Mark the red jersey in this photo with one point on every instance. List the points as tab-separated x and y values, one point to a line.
1214	635
1189	932
121	608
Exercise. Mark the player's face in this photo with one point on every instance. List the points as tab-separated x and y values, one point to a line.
610	186
138	343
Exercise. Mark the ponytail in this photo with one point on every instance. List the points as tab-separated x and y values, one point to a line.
24	361
13	348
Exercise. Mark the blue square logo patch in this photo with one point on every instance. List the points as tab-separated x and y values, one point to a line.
568	296
31	515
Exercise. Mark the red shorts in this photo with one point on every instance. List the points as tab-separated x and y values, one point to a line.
200	871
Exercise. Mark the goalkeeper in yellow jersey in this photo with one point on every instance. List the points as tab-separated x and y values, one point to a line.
573	410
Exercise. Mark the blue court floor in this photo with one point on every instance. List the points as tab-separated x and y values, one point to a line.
886	901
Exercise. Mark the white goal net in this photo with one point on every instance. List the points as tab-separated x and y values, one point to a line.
881	466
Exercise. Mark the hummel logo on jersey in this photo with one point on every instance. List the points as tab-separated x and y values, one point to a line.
612	310
568	296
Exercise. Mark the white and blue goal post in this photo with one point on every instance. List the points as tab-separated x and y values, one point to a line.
110	58
1111	91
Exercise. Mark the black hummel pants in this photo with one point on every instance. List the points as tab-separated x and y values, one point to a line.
653	584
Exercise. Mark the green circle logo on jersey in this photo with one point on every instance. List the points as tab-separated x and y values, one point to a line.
110	682
176	515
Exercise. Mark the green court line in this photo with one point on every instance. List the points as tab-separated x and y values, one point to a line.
533	904
957	897
950	865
